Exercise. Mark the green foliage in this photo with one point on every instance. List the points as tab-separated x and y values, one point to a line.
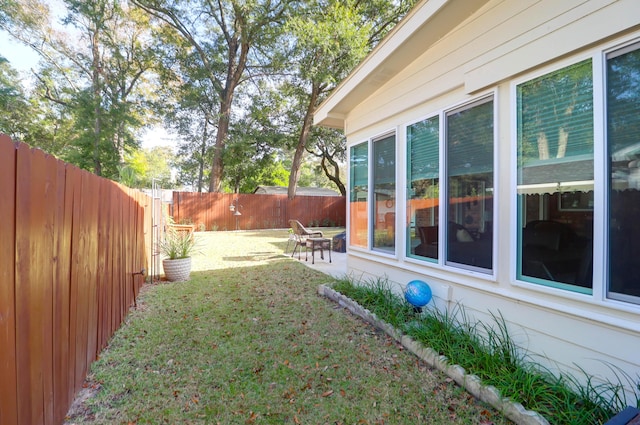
488	351
93	88
177	244
239	96
150	164
127	176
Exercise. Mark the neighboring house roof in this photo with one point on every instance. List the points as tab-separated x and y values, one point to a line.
427	23
301	191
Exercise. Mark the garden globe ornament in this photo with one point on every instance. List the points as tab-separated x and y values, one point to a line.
418	294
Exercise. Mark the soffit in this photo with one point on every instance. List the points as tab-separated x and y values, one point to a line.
429	21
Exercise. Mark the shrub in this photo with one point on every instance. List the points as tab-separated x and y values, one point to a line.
488	351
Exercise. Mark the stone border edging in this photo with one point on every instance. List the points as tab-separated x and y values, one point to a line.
488	394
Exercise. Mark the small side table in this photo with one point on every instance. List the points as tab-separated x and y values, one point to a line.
317	244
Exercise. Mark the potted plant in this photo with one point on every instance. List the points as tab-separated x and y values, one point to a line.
177	247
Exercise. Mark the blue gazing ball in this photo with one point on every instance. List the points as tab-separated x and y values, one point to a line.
417	293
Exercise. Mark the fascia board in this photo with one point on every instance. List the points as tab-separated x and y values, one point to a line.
429	21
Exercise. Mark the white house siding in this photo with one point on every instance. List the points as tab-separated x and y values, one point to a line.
484	54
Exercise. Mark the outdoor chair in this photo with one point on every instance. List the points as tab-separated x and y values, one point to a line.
301	234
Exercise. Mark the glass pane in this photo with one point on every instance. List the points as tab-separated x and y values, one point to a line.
469	232
623	130
423	185
555	178
384	194
359	189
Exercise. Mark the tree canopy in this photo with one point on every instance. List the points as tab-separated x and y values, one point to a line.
235	81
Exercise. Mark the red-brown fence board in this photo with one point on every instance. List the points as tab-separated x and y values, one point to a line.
211	210
8	370
34	282
70	204
62	380
71	242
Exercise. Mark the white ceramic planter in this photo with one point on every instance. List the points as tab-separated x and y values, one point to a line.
177	270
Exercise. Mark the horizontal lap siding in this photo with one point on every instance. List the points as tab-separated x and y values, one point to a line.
504	39
71	242
211	210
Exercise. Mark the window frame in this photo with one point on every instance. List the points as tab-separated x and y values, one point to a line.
408	158
440	262
350	242
369	248
517	227
632	45
599	294
373	219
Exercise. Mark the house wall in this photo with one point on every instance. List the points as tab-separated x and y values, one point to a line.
495	47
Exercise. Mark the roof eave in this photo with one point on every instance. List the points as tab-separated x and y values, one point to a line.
429	21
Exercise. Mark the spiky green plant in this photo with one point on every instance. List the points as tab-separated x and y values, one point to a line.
488	351
177	245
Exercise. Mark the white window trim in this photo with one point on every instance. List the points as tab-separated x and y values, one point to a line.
440	264
598	56
373	220
348	212
444	200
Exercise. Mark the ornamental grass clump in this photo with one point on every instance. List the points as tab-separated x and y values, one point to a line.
178	245
488	351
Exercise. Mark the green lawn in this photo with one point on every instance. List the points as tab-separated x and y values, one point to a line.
248	340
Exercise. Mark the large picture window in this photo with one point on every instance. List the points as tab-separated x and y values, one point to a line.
358	193
555	178
623	139
423	140
384	194
469	158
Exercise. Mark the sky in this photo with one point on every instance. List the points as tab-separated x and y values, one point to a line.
21	57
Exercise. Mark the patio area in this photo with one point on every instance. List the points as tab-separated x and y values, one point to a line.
252	247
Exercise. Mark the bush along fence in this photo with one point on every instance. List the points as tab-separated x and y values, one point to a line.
72	246
212	211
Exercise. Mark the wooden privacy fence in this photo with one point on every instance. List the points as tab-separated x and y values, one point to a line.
210	211
71	244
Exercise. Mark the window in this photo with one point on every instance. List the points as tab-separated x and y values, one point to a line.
384	194
423	140
359	190
555	178
623	143
469	161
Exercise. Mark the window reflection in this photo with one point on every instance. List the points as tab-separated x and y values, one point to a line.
422	207
623	137
469	232
384	194
555	178
359	190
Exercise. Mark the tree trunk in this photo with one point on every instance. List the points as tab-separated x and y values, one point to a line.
335	176
97	123
543	146
217	167
563	138
203	151
294	176
235	68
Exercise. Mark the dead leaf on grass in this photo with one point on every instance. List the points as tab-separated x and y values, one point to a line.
252	418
